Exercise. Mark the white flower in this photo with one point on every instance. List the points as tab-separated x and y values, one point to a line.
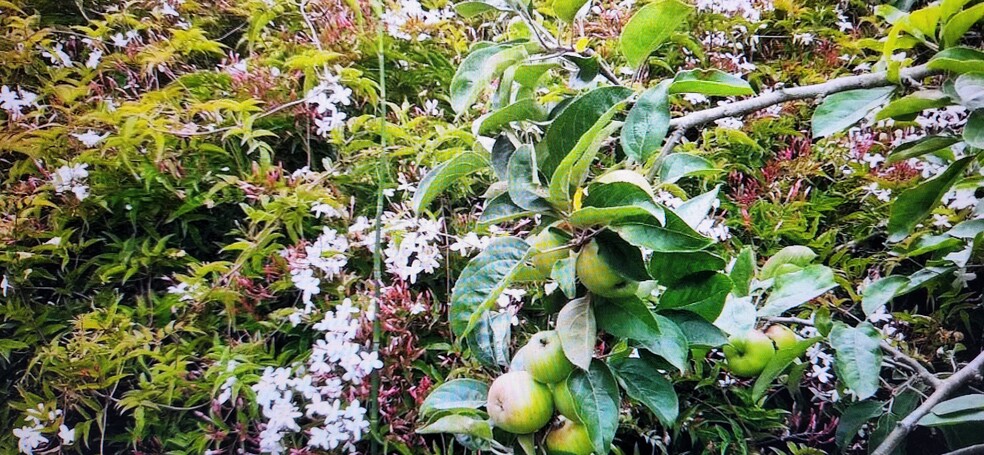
805	39
821	373
431	108
71	178
881	315
417	308
90	138
5	286
58	57
66	434
730	123
325	210
94	57
883	195
940	220
29	438
695	98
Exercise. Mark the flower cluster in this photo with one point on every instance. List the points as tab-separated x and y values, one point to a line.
412	244
322	258
15	100
71	179
325	99
31	438
411	21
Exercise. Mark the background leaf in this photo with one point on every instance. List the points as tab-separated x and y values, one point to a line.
483	280
858	357
841	110
577	330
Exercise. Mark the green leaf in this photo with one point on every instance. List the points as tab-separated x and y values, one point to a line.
913	103
793	289
489	341
646	124
524	183
967	229
565	275
841	110
501	209
456	394
920	147
680	165
915	204
711	83
573	169
575	120
696	209
796	255
659	238
650	27
460	424
858	357
566	10
670	268
473	8
853	418
643	382
522	110
743	271
622	257
965	403
577	330
616	202
698	331
478	69
969	88
596	402
973	133
702	293
778	364
444	175
958	60
483	280
631	318
960	23
879	293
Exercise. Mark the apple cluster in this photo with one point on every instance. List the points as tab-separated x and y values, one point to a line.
523	400
748	355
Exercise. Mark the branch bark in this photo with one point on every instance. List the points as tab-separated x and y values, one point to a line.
923	373
946	388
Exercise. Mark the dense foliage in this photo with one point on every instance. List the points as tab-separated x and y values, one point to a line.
194	191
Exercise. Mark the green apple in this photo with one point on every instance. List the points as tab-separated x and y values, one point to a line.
600	278
543	357
782	336
518	404
564	401
549	245
748	355
570	438
627	176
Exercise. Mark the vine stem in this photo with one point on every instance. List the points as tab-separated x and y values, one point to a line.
946	388
377	263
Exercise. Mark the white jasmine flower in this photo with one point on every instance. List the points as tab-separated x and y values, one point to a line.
90	138
66	434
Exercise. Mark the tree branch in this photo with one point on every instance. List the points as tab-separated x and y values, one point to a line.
946	388
913	363
747	106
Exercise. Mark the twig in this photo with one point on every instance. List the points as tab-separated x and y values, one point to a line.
671	142
974	449
946	388
923	373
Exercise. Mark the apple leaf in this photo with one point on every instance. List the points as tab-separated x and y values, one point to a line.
460	424
879	293
617	202
525	109
920	147
631	318
524	185
483	280
596	402
575	120
960	23
858	357
477	71
913	103
778	364
489	341
680	165
573	169
670	268
841	110
915	204
702	293
659	238
973	133
456	394
647	123
695	210
793	289
577	330
649	27
564	273
743	271
642	380
797	255
500	209
473	8
958	60
445	174
711	83
853	418
696	329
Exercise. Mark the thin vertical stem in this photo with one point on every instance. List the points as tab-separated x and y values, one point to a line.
377	258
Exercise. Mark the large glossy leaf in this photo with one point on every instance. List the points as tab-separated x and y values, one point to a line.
577	330
958	60
573	169
617	202
647	123
650	27
879	293
853	418
483	280
973	133
914	103
473	8
455	394
565	275
841	110
915	204
501	209
858	357
680	165
778	364
478	69
920	147
795	255
670	268
444	175
702	293
793	289
575	120
643	381
960	23
743	271
711	83
696	329
460	424
524	183
696	209
596	402
566	10
631	318
660	238
522	110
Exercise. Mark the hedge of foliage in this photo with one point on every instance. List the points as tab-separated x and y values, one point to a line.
238	226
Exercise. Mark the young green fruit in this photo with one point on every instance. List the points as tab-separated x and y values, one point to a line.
600	278
549	245
564	401
518	404
543	357
782	336
748	355
570	438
